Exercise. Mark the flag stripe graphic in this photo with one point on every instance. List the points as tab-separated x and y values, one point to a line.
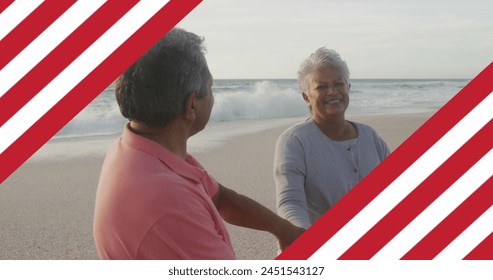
76	71
422	196
403	157
469	239
484	251
455	223
49	121
4	4
15	14
438	210
45	43
62	56
30	28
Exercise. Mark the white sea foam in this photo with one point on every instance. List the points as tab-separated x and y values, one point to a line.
267	99
248	106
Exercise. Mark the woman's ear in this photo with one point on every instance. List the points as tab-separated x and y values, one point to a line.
307	100
305	97
190	106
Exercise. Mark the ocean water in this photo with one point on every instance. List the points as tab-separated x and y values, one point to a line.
247	106
273	101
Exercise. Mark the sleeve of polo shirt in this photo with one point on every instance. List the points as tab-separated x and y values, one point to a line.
211	185
289	175
210	182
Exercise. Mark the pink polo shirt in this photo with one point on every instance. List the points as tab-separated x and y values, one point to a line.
151	204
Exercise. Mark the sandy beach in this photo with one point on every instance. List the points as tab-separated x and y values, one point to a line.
46	206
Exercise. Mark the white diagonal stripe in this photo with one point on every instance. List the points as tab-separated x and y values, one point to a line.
470	238
46	42
439	209
15	13
77	70
407	181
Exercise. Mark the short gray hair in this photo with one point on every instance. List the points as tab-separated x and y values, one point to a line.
154	89
320	58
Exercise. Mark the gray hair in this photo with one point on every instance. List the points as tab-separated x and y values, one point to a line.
154	89
320	58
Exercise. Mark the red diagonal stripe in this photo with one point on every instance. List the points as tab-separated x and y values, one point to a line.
422	196
93	84
454	224
64	54
407	153
5	4
30	28
484	251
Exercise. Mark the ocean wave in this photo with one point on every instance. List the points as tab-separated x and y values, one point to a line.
267	99
264	99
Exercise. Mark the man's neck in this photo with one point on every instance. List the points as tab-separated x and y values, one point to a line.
172	136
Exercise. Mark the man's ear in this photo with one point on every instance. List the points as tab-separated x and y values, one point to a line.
190	106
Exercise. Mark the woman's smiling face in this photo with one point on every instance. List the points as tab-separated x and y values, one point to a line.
328	93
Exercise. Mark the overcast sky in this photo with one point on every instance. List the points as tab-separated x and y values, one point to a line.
378	38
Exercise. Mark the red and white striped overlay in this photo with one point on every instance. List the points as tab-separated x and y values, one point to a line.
431	199
57	56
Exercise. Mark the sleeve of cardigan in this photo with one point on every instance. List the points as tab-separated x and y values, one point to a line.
289	175
382	148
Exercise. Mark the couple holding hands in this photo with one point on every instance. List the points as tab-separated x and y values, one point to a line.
156	201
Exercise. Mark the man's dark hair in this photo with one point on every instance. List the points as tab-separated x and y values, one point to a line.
154	89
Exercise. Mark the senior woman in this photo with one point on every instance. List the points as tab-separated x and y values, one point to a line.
319	160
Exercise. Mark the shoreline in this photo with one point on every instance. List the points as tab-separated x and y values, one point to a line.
47	204
214	136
